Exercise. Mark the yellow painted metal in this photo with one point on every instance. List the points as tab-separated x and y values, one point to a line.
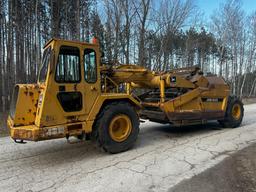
38	109
51	113
120	128
202	82
236	111
39	115
143	78
26	104
174	104
179	82
27	132
162	89
109	97
224	102
34	133
128	88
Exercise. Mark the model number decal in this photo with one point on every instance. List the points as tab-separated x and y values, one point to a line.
212	99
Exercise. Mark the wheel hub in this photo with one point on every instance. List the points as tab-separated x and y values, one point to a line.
236	111
120	128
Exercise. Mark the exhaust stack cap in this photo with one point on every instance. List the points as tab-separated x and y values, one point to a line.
94	40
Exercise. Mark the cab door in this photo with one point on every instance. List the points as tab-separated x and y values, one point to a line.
68	77
91	76
73	84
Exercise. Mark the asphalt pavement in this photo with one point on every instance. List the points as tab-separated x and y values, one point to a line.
162	159
236	173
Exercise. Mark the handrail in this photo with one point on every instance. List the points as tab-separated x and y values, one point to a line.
113	82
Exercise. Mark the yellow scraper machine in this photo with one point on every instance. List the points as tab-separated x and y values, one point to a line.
77	95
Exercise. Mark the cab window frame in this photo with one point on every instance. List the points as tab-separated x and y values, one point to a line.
43	77
95	63
79	66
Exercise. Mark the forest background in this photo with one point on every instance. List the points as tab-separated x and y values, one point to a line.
159	35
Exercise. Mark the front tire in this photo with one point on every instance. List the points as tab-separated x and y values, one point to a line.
117	127
234	113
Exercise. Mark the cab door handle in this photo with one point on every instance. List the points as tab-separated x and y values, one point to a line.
93	88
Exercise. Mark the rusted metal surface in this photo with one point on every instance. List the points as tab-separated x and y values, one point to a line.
150	104
23	134
215	80
154	115
74	127
206	115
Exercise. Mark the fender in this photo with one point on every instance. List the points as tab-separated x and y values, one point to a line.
100	103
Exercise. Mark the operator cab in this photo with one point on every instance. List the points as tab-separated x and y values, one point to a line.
73	70
68	85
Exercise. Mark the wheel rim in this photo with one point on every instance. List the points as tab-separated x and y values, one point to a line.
120	128
236	111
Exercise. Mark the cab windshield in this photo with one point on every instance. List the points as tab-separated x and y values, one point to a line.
44	65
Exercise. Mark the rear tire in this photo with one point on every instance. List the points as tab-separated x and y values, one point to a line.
116	127
234	113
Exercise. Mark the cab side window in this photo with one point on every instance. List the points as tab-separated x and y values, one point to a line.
68	66
90	66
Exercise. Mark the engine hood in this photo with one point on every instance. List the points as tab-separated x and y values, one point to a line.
24	104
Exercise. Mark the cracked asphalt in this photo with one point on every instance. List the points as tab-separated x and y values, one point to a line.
162	157
236	173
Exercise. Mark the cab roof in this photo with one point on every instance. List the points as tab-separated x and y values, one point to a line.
68	41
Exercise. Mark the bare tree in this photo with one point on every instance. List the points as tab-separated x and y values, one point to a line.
142	9
251	58
228	25
171	17
128	12
157	37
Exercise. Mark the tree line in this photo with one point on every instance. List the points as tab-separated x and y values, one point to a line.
159	35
